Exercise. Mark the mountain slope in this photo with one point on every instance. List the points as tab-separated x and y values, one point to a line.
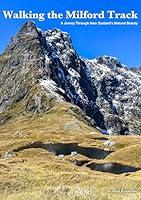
41	69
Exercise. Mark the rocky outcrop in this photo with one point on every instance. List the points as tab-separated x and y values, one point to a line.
108	92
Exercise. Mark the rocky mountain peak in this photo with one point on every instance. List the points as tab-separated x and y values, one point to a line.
29	27
40	67
110	61
26	33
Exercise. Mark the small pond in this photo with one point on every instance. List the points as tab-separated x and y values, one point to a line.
112	168
68	149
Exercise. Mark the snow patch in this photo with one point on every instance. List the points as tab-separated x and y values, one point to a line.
52	88
104	131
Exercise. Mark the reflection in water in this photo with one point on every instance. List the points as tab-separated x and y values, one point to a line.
67	149
61	149
112	168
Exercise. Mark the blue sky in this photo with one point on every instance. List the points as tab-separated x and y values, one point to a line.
123	42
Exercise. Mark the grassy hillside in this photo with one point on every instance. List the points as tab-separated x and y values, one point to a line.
34	173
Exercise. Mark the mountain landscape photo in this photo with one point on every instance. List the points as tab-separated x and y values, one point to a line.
70	127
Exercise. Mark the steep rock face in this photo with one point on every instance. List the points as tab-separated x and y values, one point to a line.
119	94
20	66
106	91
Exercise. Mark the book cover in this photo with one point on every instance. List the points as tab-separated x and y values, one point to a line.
70	100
